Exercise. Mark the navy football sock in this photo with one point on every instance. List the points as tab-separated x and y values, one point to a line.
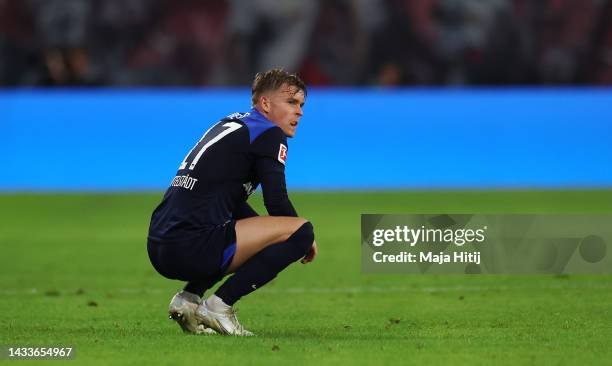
199	287
265	265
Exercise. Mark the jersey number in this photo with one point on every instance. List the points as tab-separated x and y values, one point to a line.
230	127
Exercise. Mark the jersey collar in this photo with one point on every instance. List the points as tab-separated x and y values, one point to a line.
256	115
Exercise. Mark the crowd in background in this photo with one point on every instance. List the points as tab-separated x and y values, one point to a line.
329	42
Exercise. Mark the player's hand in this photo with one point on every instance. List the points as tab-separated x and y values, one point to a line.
312	253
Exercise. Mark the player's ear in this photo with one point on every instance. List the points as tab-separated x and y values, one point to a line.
264	101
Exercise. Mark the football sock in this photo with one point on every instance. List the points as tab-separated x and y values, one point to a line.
199	287
265	265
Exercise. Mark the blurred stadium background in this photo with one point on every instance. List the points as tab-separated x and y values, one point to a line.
432	106
331	43
411	94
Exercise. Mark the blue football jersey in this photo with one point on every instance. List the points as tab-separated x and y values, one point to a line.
233	157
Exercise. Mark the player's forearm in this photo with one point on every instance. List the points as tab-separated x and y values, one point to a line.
272	177
279	206
275	195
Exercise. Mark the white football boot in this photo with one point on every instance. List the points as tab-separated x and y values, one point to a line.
182	310
223	320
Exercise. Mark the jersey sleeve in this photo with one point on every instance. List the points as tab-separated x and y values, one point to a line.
270	151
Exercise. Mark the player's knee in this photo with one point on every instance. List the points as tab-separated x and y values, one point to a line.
303	237
295	224
300	221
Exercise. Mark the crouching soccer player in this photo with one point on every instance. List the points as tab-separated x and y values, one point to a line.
204	229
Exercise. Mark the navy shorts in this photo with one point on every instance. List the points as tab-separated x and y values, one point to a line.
205	257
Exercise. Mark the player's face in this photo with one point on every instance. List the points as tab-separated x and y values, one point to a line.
285	108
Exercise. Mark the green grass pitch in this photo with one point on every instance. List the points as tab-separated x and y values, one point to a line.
74	271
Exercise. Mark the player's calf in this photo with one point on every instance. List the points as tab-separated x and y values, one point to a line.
265	265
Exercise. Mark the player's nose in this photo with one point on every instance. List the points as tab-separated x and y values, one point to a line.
299	111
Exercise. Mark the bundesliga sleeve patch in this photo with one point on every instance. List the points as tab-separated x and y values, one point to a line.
282	154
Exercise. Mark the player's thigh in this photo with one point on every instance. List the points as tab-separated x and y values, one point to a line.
255	233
